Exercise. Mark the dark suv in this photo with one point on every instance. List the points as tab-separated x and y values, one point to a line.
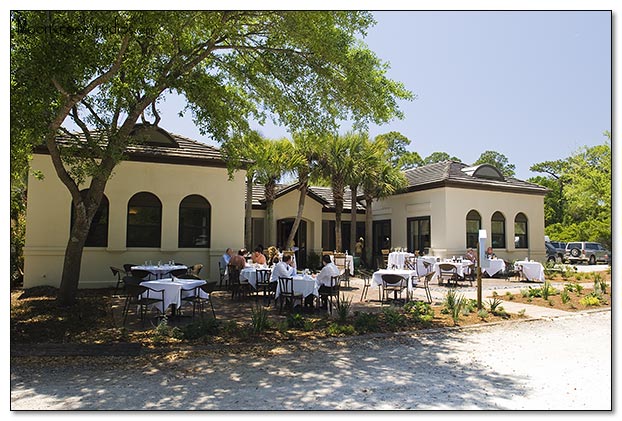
585	252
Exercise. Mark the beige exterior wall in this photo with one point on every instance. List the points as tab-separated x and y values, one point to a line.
447	209
286	206
49	219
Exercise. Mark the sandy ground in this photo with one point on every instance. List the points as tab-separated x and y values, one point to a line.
559	363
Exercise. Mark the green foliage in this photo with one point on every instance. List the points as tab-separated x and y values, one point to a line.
343	309
295	321
498	160
435	157
574	287
420	311
202	328
493	304
259	319
565	297
482	314
366	322
590	300
313	260
393	318
336	329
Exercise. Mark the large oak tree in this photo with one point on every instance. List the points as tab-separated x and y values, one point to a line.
103	70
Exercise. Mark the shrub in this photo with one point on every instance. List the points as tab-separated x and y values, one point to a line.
590	300
420	311
393	319
202	328
521	313
493	305
343	309
366	322
335	329
259	319
482	314
295	321
565	296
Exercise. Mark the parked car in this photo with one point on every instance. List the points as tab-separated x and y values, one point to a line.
559	246
586	252
551	253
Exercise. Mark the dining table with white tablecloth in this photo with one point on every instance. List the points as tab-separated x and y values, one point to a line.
533	271
494	266
462	267
396	259
174	289
161	270
304	284
349	262
421	267
410	277
249	274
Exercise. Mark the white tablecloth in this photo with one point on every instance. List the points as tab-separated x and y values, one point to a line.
249	274
160	270
303	284
461	267
396	259
376	279
495	266
421	270
531	270
173	289
349	263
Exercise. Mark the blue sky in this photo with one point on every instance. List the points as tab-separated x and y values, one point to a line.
532	85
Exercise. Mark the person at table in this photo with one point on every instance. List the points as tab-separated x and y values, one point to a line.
226	258
258	256
490	254
471	255
329	269
238	260
282	269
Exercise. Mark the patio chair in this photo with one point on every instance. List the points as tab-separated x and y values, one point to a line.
366	277
288	297
127	267
238	287
263	284
177	273
470	274
223	276
448	273
145	275
423	283
341	262
198	296
195	269
385	258
118	275
142	297
327	294
394	283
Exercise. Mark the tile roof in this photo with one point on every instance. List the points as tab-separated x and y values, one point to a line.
324	195
451	174
179	150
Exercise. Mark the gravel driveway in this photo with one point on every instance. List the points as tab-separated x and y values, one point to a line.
563	363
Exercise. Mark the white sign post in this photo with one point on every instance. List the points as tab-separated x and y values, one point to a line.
482	262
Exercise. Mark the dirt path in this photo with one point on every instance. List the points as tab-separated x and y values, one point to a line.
563	363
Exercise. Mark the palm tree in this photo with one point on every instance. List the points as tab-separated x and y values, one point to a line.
304	156
382	179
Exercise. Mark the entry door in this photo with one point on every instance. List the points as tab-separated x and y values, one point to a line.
283	228
419	235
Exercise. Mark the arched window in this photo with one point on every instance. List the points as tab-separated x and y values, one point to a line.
521	241
144	220
473	225
98	232
498	230
194	222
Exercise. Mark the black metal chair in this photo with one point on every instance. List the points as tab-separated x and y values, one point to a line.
177	273
287	296
392	282
327	294
238	288
423	282
263	284
365	275
143	297
198	296
195	269
223	276
118	275
470	274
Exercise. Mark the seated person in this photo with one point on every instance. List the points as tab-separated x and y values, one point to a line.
471	255
489	253
282	269
258	256
225	258
238	260
329	269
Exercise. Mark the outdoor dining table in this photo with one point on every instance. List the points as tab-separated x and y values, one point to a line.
494	266
376	278
421	269
303	284
533	271
173	290
397	259
462	268
159	270
249	274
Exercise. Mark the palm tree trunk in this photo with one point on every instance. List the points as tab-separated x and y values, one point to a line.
248	212
369	240
270	190
303	187
353	217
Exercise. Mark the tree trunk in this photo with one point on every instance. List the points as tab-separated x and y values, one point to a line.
73	262
270	191
248	212
369	239
338	197
353	218
304	185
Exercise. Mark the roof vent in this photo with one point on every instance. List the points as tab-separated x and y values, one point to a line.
486	171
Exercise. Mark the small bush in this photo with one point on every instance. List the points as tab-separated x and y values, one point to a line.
482	314
394	319
521	313
202	328
343	309
336	329
565	297
295	321
420	311
590	300
259	319
366	322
